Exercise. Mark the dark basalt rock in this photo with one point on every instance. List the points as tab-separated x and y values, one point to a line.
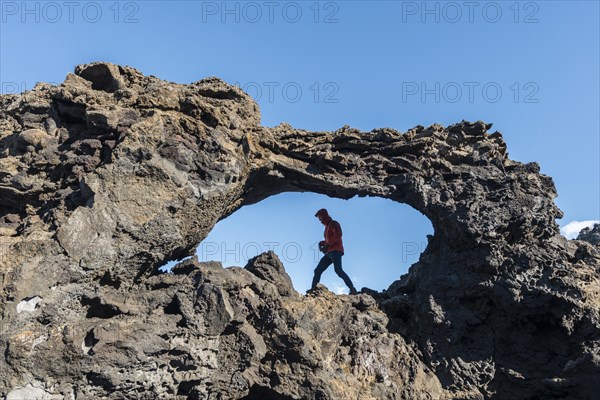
591	235
110	174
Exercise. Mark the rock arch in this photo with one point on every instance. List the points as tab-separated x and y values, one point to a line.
157	164
111	173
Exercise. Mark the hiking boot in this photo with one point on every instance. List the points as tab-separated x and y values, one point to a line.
353	291
312	290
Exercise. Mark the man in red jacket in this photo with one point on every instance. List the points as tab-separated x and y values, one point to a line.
333	249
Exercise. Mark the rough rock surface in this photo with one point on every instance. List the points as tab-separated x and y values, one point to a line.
591	235
108	175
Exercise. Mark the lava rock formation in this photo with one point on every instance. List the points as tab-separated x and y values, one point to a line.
110	174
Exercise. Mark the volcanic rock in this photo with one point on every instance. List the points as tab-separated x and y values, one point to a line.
591	235
110	174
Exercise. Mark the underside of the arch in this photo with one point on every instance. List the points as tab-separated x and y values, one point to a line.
108	175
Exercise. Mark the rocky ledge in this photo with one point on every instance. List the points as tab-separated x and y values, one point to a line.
110	174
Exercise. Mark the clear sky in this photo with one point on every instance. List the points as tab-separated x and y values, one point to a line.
530	67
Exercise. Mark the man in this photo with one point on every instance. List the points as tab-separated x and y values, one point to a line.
333	249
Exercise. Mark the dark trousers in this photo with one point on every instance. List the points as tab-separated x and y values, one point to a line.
334	257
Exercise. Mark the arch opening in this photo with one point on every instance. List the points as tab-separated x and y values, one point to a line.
382	238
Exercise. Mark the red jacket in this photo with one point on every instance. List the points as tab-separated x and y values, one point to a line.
333	236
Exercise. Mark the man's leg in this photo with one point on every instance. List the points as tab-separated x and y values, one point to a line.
321	266
337	265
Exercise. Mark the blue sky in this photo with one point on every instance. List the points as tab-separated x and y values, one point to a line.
531	68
